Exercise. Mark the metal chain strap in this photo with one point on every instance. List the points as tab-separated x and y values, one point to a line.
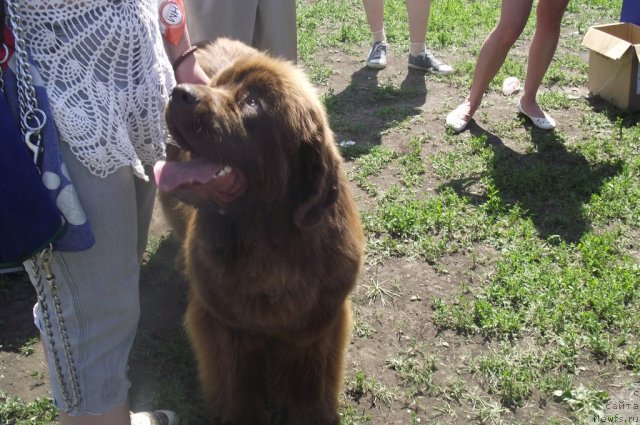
33	118
32	121
38	264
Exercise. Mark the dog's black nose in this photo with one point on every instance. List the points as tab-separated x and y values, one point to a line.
185	93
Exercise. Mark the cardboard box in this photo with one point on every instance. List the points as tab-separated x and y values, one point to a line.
614	74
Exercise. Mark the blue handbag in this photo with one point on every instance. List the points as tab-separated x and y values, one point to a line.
38	204
29	219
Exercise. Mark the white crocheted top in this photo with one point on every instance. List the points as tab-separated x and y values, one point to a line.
107	78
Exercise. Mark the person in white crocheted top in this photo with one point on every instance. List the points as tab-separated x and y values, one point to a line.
108	73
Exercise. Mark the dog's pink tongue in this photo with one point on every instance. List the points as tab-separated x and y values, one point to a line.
171	175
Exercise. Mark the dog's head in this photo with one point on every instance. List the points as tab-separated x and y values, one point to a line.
256	137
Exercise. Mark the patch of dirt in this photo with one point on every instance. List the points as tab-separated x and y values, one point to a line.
22	364
404	322
23	371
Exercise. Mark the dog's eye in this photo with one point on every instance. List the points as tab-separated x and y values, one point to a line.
251	101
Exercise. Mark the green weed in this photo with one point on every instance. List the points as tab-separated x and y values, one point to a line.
15	412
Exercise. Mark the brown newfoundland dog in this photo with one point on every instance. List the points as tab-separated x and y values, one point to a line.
272	241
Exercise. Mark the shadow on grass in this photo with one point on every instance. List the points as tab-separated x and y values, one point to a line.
17	298
552	184
366	108
162	366
625	119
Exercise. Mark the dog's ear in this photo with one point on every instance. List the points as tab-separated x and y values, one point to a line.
318	185
315	184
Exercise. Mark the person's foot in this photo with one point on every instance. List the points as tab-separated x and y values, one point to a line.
157	417
426	61
538	117
458	119
377	58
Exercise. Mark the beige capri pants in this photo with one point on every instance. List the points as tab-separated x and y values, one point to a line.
268	25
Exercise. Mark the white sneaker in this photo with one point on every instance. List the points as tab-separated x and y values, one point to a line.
377	58
157	417
426	61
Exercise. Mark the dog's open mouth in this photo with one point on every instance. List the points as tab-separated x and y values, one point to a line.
204	179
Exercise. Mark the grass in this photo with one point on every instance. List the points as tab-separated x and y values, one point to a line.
415	368
378	291
564	276
15	412
533	234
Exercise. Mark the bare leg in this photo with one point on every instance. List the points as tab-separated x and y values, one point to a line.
375	15
513	18
541	51
119	415
418	13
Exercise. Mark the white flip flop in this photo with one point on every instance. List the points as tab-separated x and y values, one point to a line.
456	121
544	123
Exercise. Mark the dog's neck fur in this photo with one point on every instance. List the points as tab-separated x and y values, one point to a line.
235	234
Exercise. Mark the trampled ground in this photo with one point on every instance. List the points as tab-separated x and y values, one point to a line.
502	280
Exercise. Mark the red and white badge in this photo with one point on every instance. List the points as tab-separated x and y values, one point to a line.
6	48
172	20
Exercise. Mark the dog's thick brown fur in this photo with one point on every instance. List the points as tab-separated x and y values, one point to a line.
272	244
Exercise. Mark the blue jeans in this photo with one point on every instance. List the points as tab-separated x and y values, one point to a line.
98	292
